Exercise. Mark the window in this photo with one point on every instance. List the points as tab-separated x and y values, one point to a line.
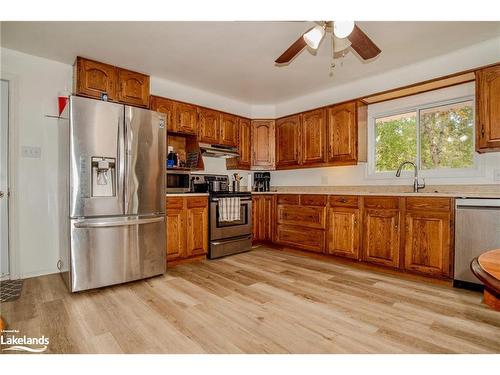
430	129
443	137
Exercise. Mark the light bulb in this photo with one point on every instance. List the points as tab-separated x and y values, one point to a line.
313	37
342	29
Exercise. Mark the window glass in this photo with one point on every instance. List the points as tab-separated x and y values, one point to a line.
446	136
395	141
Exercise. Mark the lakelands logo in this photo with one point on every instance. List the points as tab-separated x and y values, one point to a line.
23	343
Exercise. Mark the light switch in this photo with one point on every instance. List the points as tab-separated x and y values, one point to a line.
31	152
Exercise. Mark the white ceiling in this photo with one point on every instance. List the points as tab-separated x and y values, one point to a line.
236	59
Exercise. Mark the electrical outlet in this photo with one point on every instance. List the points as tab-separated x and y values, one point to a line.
324	180
34	152
496	175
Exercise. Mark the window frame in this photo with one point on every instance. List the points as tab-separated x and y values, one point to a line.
477	169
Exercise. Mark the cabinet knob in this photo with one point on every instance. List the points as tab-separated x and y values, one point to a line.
482	131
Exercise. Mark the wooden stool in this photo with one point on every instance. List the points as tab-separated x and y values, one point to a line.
486	267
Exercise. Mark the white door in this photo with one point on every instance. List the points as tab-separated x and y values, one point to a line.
4	173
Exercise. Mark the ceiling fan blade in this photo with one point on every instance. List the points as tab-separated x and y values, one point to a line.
292	51
363	45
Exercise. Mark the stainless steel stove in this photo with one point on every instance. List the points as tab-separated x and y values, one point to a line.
225	237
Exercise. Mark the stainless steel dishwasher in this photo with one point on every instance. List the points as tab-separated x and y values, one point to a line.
477	230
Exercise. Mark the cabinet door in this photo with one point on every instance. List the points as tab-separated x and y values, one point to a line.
244	144
186	117
313	137
176	228
165	106
228	130
427	242
343	232
287	141
488	109
93	79
133	88
342	133
266	218
256	201
262	139
197	226
208	126
381	237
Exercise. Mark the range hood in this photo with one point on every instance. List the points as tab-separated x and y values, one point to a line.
218	151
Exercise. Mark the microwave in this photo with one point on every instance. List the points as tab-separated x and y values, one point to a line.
178	181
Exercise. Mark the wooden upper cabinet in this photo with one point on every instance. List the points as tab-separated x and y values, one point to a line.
228	130
342	133
262	138
208	126
94	79
287	141
245	143
428	242
313	139
165	106
488	109
186	118
343	232
133	88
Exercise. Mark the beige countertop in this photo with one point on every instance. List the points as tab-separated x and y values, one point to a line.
454	191
187	194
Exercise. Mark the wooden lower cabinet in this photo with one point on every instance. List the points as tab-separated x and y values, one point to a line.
301	237
343	232
187	227
428	242
262	217
381	237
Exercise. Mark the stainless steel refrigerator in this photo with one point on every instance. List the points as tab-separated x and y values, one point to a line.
114	156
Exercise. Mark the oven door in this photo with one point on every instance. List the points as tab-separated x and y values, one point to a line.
227	229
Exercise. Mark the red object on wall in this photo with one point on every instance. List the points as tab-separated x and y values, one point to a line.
62	101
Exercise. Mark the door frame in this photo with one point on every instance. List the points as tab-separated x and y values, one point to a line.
13	166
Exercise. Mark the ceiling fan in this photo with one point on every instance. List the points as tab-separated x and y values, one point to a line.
345	34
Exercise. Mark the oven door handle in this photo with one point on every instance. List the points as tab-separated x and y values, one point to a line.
242	199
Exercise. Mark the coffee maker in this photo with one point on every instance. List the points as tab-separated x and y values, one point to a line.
262	181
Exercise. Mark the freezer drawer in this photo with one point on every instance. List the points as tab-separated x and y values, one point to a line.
113	250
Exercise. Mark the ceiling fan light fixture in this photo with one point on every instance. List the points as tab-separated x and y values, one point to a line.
342	29
314	36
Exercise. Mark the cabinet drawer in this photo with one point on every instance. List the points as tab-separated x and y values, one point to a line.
382	202
305	216
313	200
288	199
344	200
304	238
175	203
428	204
197	202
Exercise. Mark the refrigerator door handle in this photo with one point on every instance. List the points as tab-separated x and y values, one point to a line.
115	223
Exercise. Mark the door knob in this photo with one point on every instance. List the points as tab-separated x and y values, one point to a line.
1	194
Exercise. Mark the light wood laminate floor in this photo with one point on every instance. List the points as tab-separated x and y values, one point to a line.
263	301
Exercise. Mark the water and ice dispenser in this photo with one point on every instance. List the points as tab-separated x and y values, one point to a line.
103	176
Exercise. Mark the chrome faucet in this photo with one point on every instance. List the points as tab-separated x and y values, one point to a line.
416	184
